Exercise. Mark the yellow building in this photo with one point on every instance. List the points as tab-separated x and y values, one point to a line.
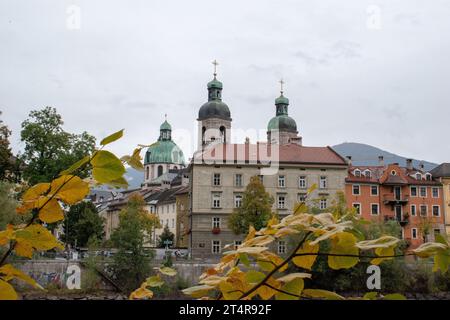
443	173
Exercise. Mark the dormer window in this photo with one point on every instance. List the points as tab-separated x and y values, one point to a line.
367	173
393	173
418	176
428	176
357	173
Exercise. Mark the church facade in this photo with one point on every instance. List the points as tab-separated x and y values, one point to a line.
220	171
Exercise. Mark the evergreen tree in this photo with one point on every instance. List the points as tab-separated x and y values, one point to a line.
6	156
166	235
256	208
82	223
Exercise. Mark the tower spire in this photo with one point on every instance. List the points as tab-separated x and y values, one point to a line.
281	85
215	63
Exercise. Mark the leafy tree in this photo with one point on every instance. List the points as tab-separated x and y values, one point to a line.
166	235
48	148
40	205
82	224
132	261
256	208
6	156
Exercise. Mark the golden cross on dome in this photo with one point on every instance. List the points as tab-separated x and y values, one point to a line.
281	85
215	63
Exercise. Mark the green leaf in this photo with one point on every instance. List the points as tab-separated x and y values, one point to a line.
294	287
75	166
155	281
106	167
324	294
197	291
253	276
442	261
382	252
394	296
168	271
243	257
111	138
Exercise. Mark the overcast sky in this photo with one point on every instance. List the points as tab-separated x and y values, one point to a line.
373	72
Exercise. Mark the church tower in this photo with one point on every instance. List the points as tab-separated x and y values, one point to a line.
214	118
162	156
282	129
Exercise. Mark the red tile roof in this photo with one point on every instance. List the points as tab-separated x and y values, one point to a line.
263	153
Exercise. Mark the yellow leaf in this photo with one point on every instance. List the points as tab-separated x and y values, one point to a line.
69	189
10	272
111	138
306	261
35	192
382	252
253	276
266	292
154	281
50	210
325	294
141	293
429	249
294	287
23	248
343	244
6	235
106	167
7	291
229	292
75	166
37	237
382	242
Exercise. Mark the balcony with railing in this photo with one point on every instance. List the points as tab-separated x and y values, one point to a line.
395	199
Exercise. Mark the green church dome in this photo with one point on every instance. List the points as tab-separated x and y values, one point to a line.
164	151
282	123
165	126
281	100
215	84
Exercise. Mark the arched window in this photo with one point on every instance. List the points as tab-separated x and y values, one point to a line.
147	173
160	170
357	173
428	176
203	135
222	134
418	176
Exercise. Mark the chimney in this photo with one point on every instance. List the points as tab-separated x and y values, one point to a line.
247	140
349	160
381	161
422	166
409	165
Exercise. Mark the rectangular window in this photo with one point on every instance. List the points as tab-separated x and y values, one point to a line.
215	246
414	233
237	200
323	204
323	182
281	247
436	211
413	191
216	200
237	243
302	182
413	210
423	192
238	180
374	190
216	222
374	209
435	192
281	202
357	206
216	179
173	223
281	181
423	210
301	197
356	190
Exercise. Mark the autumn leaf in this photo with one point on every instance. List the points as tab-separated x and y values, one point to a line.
253	276
197	291
382	252
168	271
77	165
35	237
141	293
291	276
295	287
106	167
9	272
69	189
35	192
154	281
343	244
7	291
229	292
306	261
6	235
50	210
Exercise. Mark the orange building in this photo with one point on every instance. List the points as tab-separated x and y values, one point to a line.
406	194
